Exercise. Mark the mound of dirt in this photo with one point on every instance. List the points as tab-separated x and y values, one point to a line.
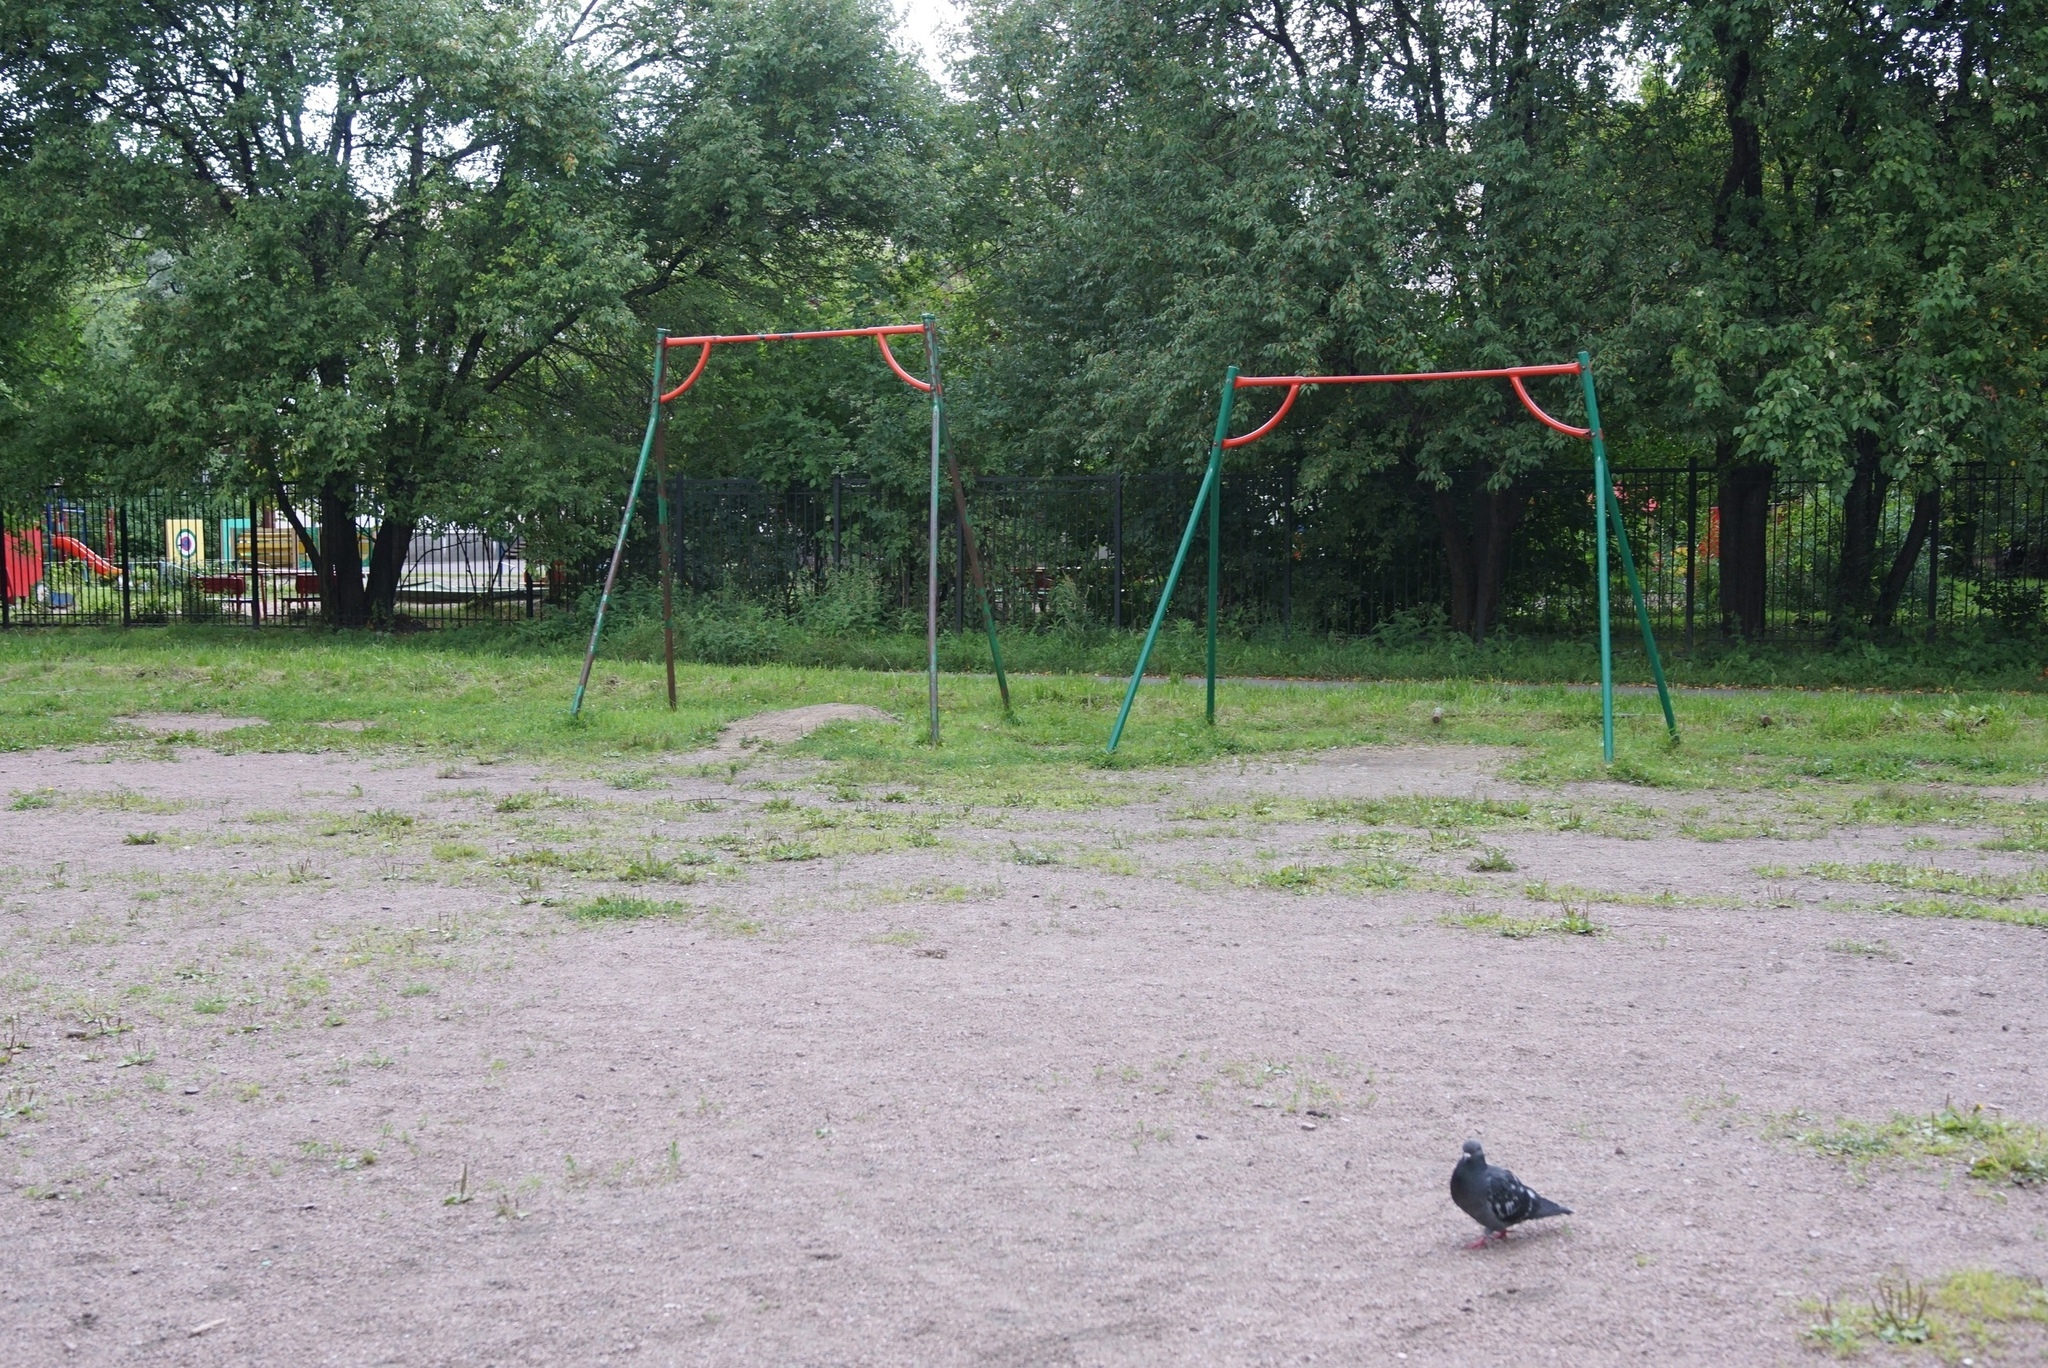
791	724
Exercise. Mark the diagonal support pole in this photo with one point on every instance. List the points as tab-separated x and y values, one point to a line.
1210	479
1635	588
611	575
1606	506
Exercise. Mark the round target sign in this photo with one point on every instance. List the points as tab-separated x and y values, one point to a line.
187	543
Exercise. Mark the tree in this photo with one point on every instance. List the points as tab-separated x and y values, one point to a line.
1302	186
1866	312
399	256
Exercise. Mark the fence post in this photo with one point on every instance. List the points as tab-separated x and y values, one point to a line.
1933	564
1287	555
255	571
1116	551
6	597
836	478
127	613
1692	541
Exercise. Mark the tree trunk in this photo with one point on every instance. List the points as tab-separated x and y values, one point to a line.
1495	514
1478	554
1457	555
340	564
387	563
1894	590
1862	514
1745	504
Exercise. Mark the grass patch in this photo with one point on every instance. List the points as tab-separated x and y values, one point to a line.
1492	860
32	799
141	838
1864	949
1571	921
1964	1312
501	695
1967	911
1931	879
1991	1148
612	908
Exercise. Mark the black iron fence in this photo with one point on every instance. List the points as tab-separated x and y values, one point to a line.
1366	557
1084	549
104	561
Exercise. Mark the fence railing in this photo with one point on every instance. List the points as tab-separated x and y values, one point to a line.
1354	559
105	561
1085	548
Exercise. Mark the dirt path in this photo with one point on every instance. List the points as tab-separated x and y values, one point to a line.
1171	1080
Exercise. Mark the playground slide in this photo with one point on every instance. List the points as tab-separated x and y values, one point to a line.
72	546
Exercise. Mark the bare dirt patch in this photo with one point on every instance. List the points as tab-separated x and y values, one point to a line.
333	1067
202	724
791	724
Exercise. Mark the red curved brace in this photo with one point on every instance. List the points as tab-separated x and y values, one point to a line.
691	378
1530	404
1512	374
881	335
907	378
1293	392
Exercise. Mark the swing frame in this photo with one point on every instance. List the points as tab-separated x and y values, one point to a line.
654	446
1210	496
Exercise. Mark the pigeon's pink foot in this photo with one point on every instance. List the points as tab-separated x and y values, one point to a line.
1481	1242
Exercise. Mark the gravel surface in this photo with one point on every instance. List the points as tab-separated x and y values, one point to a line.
316	1065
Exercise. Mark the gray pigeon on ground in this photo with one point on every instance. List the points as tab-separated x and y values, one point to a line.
1494	1197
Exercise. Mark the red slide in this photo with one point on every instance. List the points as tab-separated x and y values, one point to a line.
101	566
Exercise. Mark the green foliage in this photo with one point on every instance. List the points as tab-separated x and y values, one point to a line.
429	298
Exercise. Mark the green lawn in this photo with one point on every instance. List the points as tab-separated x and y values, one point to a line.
461	697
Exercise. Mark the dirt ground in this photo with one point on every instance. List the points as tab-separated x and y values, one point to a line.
312	1062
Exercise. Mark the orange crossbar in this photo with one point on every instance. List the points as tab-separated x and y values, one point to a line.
881	334
1514	375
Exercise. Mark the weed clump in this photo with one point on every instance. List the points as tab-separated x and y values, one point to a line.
614	908
1962	1313
1993	1148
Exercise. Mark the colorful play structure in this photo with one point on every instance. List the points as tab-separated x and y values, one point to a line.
26	556
93	561
654	445
1605	506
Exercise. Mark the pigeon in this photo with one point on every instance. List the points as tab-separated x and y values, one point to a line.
1494	1197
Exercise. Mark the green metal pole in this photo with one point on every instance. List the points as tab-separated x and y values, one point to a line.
611	575
967	547
668	558
1602	496
1215	482
1187	539
931	604
1628	572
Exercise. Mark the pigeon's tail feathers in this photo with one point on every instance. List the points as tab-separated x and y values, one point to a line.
1546	1207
